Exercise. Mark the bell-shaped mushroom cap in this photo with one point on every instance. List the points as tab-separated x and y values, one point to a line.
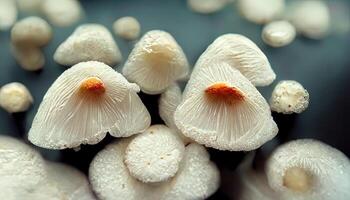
156	62
168	102
83	104
8	14
71	182
197	177
88	42
309	169
225	111
63	12
261	12
155	155
206	6
241	53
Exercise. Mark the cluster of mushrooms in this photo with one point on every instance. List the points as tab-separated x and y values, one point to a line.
219	108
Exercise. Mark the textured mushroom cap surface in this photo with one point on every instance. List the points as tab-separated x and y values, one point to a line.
241	126
289	97
328	167
31	31
127	27
206	6
15	97
63	12
68	116
156	62
28	57
278	33
197	177
260	12
88	42
240	53
8	14
71	182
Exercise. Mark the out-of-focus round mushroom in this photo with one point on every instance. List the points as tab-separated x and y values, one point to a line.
278	33
127	28
15	97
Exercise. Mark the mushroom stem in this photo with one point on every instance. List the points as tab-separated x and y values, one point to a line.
224	92
92	85
297	179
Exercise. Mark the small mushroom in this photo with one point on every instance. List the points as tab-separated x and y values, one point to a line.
240	53
88	42
261	12
62	13
206	6
195	178
309	169
15	97
83	104
278	33
8	14
289	97
223	110
302	16
156	62
127	28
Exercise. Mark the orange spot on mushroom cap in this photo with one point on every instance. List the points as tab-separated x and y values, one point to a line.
224	92
93	85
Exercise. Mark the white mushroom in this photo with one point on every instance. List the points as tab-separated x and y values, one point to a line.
289	97
15	97
240	53
278	33
196	177
156	62
302	15
206	6
71	182
223	110
168	102
62	12
88	42
309	169
8	14
127	28
83	104
28	57
31	6
261	12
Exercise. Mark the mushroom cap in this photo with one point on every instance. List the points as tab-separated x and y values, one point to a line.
127	27
197	177
15	97
156	62
88	42
328	167
8	14
240	53
278	33
206	6
30	58
260	12
71	182
31	31
69	116
242	125
289	97
63	12
168	102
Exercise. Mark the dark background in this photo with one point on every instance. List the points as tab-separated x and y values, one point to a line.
322	67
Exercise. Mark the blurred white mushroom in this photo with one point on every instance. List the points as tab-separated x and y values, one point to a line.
309	169
28	36
8	14
156	62
88	42
206	6
15	97
240	53
310	18
289	97
29	6
83	104
223	110
261	12
63	12
278	33
127	28
196	177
